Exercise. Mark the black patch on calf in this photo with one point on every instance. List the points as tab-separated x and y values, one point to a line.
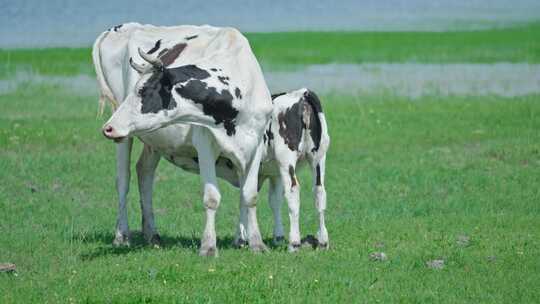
224	79
292	175
238	93
155	48
315	129
290	126
318	180
217	105
268	134
191	37
274	96
213	69
313	100
156	92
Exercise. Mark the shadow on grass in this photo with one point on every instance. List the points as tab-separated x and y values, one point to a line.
138	243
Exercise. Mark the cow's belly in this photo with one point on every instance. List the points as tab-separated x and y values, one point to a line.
174	144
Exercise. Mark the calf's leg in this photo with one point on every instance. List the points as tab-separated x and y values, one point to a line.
292	195
275	198
319	192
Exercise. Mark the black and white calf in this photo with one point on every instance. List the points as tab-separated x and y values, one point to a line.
297	135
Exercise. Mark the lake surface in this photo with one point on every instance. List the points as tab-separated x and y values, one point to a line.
32	23
406	80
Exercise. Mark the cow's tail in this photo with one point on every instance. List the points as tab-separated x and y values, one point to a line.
105	92
322	128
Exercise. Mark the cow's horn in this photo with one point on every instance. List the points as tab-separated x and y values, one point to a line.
156	62
137	67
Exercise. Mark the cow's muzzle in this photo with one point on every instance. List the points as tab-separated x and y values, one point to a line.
110	132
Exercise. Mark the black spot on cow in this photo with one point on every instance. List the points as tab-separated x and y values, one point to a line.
318	180
213	69
292	175
217	105
291	125
315	129
191	37
156	92
117	27
274	96
238	93
155	48
224	79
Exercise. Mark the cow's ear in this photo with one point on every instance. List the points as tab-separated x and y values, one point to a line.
137	67
170	55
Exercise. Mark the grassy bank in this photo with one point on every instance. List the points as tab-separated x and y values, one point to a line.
406	178
281	50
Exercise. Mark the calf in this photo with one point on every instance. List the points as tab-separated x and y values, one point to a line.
297	134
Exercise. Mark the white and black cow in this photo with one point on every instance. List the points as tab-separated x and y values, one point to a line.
206	111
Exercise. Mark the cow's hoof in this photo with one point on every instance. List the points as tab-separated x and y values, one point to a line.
258	248
278	240
208	252
294	247
239	243
121	240
155	241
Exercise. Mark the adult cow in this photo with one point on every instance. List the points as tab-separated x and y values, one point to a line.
212	102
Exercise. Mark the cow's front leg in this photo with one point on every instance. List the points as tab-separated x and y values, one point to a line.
123	156
146	168
248	199
207	154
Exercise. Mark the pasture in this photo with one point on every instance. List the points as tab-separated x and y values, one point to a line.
452	178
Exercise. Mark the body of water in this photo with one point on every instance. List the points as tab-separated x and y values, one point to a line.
33	23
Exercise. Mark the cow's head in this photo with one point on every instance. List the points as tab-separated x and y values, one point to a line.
151	104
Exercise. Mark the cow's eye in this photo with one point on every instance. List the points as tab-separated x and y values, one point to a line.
140	91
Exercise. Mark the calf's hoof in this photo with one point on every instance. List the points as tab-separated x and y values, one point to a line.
121	240
208	252
323	246
294	247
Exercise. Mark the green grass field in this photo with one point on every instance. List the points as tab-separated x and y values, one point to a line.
405	177
288	50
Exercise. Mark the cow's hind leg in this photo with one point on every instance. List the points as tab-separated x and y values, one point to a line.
319	192
207	154
275	198
146	168
123	156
